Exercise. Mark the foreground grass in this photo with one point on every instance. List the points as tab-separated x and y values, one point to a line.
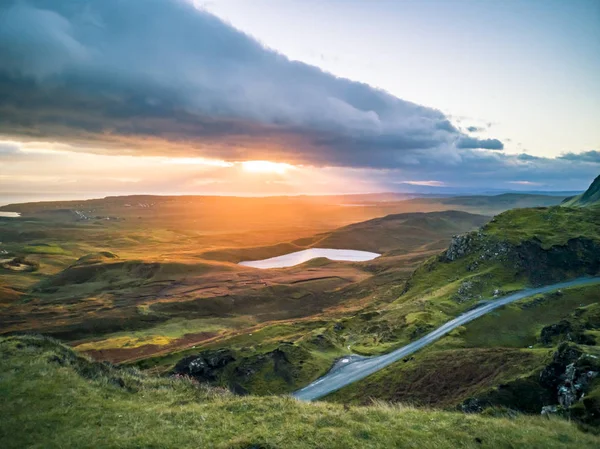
53	398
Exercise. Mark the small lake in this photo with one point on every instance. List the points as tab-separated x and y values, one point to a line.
10	214
298	257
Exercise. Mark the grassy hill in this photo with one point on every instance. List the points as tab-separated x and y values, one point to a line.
491	204
405	232
399	233
589	198
142	291
53	398
503	358
516	249
142	285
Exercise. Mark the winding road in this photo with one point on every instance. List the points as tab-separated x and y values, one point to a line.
354	368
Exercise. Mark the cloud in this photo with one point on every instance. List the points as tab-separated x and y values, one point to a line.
162	77
474	129
486	144
587	156
9	149
528	157
425	183
525	183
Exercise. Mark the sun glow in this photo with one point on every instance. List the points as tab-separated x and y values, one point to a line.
266	167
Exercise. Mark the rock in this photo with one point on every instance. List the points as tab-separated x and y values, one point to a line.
565	330
471	289
550	377
205	366
579	256
549	410
460	246
569	374
472	405
562	328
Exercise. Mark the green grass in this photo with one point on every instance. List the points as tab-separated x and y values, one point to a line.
309	350
518	325
53	399
442	378
551	226
165	333
51	249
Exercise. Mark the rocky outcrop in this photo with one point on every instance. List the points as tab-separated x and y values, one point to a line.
570	375
560	388
485	247
460	246
579	256
565	330
205	367
473	288
245	373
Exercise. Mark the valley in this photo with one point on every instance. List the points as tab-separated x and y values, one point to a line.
171	293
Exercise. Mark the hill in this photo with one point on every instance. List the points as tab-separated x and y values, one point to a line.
521	247
397	233
405	232
589	198
499	357
53	398
489	204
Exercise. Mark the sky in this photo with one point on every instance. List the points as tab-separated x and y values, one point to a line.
103	97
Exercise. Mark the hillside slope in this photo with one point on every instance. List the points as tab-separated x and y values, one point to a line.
589	198
53	398
401	233
404	232
519	248
490	204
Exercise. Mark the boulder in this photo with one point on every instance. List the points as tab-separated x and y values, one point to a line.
206	366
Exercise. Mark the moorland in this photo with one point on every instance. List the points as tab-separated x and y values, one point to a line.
156	312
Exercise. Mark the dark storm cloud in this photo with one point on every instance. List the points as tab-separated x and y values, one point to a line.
528	157
490	170
486	144
160	76
587	156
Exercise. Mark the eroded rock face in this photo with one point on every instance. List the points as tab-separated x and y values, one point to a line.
205	367
578	257
460	246
562	328
550	377
569	374
560	388
565	330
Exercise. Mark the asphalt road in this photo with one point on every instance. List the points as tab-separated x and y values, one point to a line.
354	368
